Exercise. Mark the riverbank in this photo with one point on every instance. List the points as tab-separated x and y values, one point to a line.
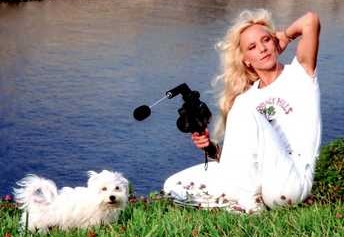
150	217
321	215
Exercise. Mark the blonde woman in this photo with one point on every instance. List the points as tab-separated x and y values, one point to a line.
269	120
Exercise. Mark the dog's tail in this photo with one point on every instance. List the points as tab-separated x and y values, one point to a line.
34	190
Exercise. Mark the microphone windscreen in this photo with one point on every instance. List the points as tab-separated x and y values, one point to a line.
142	112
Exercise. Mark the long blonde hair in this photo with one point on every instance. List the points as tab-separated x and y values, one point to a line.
236	77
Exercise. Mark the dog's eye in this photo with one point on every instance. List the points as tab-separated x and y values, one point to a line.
104	188
117	188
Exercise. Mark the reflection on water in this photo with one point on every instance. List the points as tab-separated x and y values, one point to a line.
72	72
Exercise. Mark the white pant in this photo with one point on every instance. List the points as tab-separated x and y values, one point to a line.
254	161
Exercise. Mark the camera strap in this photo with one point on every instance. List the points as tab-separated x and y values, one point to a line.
205	160
212	152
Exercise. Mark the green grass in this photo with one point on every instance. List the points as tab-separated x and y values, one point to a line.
322	215
329	174
162	218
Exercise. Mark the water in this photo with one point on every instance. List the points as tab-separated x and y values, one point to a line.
72	72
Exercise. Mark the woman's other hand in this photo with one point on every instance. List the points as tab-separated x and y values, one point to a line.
201	140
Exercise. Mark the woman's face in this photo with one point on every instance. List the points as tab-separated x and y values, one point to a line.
258	48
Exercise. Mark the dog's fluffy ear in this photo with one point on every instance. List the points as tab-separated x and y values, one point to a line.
91	173
92	176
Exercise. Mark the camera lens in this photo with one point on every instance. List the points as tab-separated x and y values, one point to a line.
183	124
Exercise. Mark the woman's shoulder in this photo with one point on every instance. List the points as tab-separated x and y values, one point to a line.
246	96
297	70
250	91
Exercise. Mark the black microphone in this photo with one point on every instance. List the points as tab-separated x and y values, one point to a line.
142	112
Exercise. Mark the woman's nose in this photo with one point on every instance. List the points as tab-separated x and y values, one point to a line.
261	47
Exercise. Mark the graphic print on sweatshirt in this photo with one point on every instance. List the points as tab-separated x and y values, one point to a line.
274	107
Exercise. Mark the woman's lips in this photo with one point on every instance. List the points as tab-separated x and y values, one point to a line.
265	57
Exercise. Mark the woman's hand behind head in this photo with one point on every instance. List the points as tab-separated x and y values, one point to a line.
281	41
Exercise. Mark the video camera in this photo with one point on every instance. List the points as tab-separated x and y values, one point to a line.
194	115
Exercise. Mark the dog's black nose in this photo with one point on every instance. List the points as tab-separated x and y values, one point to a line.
112	198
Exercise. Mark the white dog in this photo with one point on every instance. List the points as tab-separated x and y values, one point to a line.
44	206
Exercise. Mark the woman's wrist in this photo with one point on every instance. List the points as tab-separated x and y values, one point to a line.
288	36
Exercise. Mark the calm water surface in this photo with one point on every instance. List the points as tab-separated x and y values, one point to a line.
71	73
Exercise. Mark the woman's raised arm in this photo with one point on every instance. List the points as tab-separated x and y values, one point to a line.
308	28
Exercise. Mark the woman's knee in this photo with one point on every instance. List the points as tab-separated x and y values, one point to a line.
282	196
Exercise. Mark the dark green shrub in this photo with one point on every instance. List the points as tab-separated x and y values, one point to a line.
329	173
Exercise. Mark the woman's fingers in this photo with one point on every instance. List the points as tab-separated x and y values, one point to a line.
200	141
